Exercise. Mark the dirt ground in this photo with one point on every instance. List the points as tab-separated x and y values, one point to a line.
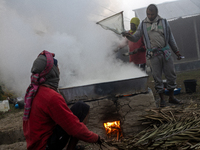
11	134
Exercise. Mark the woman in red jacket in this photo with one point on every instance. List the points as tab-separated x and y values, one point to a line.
48	123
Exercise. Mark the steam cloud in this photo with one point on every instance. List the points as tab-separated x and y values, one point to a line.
67	28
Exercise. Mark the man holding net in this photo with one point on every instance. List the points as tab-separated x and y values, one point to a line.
158	39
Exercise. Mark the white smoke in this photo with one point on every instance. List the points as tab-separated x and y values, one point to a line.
67	28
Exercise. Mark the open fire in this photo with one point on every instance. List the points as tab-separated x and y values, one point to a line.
113	129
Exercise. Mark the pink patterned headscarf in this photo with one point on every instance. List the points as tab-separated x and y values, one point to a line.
36	80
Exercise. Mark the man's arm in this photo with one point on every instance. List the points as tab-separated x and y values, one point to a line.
172	42
63	116
136	36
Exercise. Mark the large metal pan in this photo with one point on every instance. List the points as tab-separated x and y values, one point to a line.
105	89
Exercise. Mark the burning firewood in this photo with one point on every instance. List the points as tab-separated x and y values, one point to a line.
113	129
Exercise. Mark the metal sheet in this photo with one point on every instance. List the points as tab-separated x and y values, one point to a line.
173	10
105	89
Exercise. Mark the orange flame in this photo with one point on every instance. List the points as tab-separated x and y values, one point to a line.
112	126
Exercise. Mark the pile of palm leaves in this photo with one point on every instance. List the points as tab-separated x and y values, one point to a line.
169	128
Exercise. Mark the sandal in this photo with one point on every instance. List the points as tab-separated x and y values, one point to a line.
162	103
175	101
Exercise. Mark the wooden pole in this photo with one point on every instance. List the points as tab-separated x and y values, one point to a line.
117	135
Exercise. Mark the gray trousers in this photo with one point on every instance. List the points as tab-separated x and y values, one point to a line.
158	65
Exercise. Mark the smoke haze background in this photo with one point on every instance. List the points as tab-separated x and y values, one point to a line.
67	28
